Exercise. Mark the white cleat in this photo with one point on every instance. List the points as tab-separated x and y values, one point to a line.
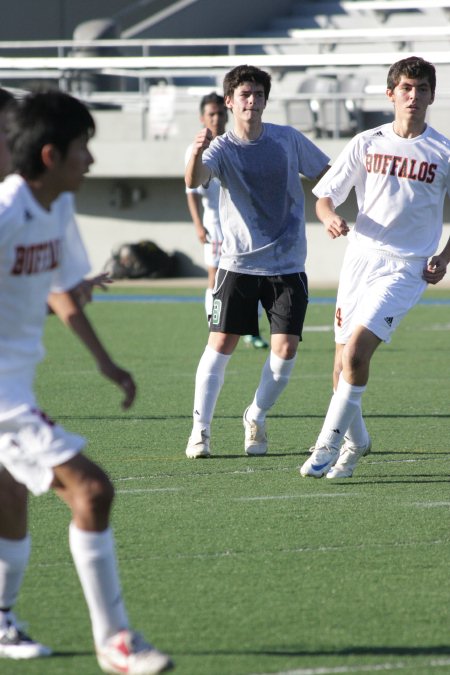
17	645
255	442
348	459
128	652
320	462
198	444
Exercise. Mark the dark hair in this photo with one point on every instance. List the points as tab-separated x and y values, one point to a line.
414	67
242	74
6	99
50	117
211	98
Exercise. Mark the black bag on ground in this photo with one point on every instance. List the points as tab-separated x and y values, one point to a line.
142	260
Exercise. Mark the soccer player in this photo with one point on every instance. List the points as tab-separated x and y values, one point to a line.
263	249
203	204
40	257
401	173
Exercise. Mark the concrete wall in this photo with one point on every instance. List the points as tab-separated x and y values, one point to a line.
157	211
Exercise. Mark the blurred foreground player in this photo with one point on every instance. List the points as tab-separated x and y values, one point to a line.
41	256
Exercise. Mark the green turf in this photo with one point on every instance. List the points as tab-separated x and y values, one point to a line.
235	565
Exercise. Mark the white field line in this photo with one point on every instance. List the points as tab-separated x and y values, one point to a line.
431	505
375	668
230	553
139	490
261	468
296	496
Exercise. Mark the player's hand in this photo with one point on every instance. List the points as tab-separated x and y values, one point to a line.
100	281
83	292
202	234
435	270
336	226
123	379
202	141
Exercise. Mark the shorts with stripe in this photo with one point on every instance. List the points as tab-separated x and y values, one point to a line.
236	297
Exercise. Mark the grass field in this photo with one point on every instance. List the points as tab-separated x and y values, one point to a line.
236	565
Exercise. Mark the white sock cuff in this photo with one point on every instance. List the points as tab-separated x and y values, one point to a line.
216	357
281	366
349	390
92	544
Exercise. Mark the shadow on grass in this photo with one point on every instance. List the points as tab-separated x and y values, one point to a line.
396	480
438	650
123	417
68	655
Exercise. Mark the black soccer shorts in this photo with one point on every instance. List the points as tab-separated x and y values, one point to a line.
284	298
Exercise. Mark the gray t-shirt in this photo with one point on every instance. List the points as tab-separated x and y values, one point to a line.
262	199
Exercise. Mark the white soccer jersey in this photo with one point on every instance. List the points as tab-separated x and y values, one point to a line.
389	174
40	251
210	204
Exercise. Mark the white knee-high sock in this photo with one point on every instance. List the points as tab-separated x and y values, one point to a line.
208	383
14	556
95	560
357	432
344	406
274	378
208	302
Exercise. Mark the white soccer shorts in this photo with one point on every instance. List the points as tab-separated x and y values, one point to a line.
31	444
376	290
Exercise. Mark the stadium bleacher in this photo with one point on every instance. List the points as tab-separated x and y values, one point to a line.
328	61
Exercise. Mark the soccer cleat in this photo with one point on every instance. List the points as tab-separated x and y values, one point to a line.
256	341
320	462
15	644
255	436
128	652
198	444
348	459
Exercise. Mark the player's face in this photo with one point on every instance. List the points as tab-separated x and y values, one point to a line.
5	156
214	118
247	102
411	98
74	165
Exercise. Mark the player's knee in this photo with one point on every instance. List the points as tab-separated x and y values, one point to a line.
96	496
354	361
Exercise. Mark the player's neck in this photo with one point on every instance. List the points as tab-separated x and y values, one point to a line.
408	128
43	193
248	130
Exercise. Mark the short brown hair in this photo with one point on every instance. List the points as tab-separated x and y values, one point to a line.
242	74
414	67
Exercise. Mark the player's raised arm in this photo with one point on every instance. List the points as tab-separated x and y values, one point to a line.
196	172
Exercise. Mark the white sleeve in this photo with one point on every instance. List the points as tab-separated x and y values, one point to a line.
345	173
75	263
